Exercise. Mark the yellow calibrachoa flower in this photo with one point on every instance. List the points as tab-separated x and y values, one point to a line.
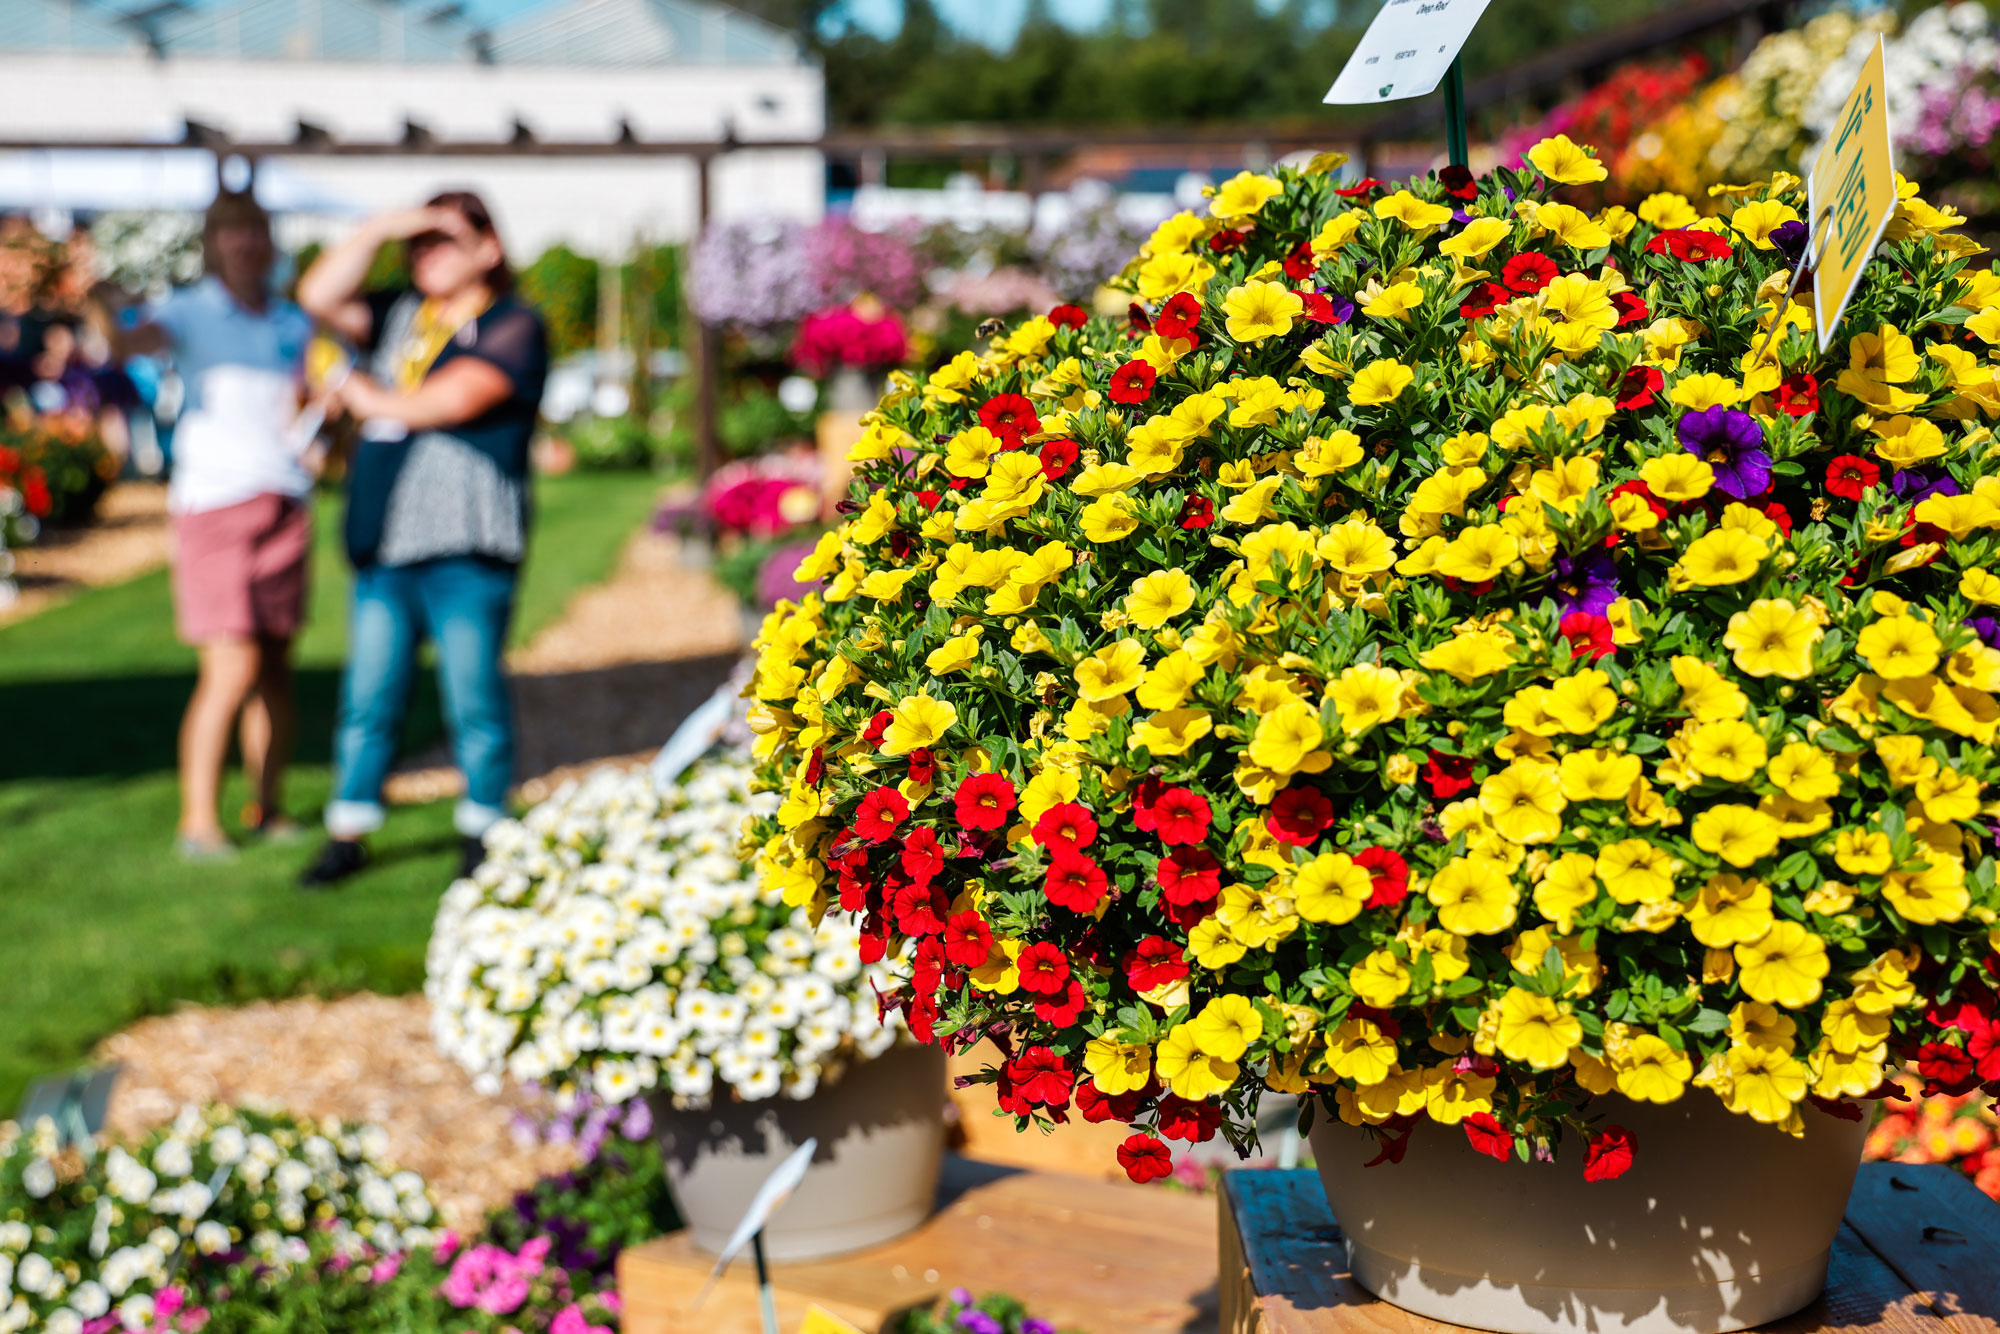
1740	835
1226	1027
1244	196
918	721
1111	671
1634	871
1646	1069
1524	801
1773	638
1412	212
1474	896
1187	1070
1730	910
1364	696
1758	218
1380	382
1783	967
1900	646
1536	1030
1720	557
1765	1083
1731	750
1563	162
1380	980
1259	310
1158	597
1359	1050
1331	888
1117	1067
1477	238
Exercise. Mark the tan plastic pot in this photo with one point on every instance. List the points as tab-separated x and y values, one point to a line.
1721	1223
874	1176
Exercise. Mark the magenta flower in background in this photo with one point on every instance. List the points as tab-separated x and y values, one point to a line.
849	336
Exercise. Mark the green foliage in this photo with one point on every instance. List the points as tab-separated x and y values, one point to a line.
562	285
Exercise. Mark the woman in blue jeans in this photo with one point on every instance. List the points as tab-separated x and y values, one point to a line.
447	388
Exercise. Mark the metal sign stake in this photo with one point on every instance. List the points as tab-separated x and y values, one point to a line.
1456	140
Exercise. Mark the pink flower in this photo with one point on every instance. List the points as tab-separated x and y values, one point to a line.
385	1269
570	1320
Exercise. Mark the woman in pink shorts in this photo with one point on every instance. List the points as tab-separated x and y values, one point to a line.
239	504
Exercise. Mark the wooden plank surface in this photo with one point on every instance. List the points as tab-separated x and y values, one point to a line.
1939	1233
1919	1257
1109	1257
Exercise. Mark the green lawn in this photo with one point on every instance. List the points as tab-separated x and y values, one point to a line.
102	921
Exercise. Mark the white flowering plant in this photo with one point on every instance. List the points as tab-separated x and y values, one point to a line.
616	940
93	1242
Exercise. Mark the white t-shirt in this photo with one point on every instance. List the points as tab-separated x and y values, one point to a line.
242	372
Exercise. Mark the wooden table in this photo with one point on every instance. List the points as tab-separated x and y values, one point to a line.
1102	1256
1919	1253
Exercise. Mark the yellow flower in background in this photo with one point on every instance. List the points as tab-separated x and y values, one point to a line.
1731	750
1730	910
1337	231
1720	557
1187	1070
955	653
1244	196
1478	554
1572	227
1634	871
1477	238
1111	671
1379	382
1565	162
1474	896
1755	220
1666	211
1356	547
1740	835
1598	775
1783	967
1334	454
1395	301
1365	695
1116	1067
1906	441
1412	212
1805	772
1886	355
1580	703
1158	597
1772	637
1176	234
1524	801
1677	477
919	721
1707	390
1166	275
1536	1030
1379	980
1900	646
1259	310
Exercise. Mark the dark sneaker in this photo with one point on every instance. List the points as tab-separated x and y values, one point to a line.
470	855
339	859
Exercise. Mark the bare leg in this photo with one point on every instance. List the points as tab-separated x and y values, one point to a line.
269	722
228	673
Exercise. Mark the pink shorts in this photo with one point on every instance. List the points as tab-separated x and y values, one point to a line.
240	571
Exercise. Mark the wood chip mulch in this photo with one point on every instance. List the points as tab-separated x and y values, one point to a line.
127	538
360	1058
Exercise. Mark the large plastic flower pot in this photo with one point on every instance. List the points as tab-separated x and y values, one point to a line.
1720	1224
874	1176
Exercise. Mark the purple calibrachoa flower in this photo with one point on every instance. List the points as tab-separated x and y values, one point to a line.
1918	484
1987	628
1587	583
1730	441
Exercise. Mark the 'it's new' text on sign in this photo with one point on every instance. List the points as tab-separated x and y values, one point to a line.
1851	195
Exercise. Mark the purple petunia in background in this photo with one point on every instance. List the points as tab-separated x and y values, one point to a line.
1586	583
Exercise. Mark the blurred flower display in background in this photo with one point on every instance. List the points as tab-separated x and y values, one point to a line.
1629	104
861	335
1960	1131
761	276
146	253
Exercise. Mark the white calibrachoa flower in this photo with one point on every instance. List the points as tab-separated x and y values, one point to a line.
616	940
82	1239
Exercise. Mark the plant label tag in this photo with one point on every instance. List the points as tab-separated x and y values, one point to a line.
1850	196
819	1320
777	1188
1406	50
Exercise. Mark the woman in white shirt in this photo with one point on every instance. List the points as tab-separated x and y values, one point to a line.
238	500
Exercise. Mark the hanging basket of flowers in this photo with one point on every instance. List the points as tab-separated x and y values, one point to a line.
615	945
1427	661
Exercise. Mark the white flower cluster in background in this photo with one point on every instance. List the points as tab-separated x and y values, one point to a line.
84	1239
147	253
1933	53
615	939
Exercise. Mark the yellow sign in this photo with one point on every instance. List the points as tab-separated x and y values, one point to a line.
819	1320
1851	196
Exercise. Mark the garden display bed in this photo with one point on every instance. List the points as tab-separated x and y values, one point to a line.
1918	1253
1097	1255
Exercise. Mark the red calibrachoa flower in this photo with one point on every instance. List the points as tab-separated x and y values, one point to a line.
1132	382
922	858
1154	962
1488	1136
1528	272
1195	1122
1638	386
1319	308
878	726
1011	417
1044	969
881	811
1179	316
1189	876
1058	457
1097	1108
1075	881
1609	1155
1849	475
1686	243
1299	262
1483	300
1182	815
1069	317
1145	1158
967	939
920	910
1197	512
1588	634
1447	775
1645	493
1947	1068
984	801
1067	1009
1299	815
1631	307
1359	188
1458	182
1225	241
1798	395
1066	825
923	765
1389	874
1039	1076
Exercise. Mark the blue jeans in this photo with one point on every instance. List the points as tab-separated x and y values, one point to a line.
463	604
